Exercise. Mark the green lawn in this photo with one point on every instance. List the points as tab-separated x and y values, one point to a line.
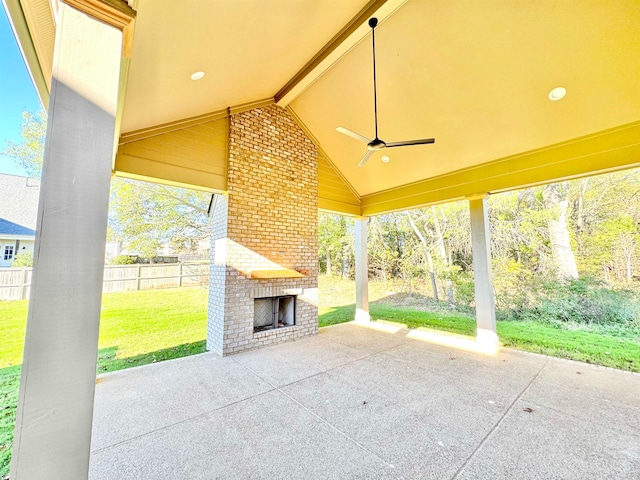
136	328
9	378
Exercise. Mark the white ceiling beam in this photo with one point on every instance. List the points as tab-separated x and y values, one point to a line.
345	40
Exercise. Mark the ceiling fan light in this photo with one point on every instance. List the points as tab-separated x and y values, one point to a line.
197	75
385	159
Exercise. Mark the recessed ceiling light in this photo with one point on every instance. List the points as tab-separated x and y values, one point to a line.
197	75
557	93
385	159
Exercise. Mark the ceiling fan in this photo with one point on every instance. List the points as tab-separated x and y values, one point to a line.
376	144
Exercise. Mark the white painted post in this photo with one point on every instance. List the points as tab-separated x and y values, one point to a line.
362	271
486	334
55	404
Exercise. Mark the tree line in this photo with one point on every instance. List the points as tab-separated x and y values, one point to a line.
585	230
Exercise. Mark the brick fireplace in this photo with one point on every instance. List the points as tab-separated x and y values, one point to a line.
264	236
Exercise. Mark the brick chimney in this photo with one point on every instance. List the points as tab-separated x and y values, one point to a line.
264	233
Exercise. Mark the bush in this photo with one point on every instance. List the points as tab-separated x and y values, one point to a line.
23	259
514	285
464	288
123	260
583	302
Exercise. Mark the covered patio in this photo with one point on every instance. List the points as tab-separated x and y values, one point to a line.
362	402
249	101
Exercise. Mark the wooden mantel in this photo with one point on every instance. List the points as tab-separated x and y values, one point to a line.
279	273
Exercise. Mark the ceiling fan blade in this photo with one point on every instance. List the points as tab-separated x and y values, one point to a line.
407	143
352	134
365	158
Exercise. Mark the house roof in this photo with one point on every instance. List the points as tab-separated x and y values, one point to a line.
19	202
474	75
13	229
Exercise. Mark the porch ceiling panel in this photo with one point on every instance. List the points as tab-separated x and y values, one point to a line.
476	76
159	155
248	49
334	195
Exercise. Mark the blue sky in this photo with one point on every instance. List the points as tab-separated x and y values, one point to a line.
16	93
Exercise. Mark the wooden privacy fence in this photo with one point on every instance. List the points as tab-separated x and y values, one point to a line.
15	283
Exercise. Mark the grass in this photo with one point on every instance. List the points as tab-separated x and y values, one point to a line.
9	378
142	327
132	323
136	328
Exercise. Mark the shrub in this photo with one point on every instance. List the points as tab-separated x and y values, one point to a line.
23	259
123	260
514	286
465	288
581	301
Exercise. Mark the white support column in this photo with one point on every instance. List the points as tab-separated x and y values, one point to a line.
486	335
55	404
362	271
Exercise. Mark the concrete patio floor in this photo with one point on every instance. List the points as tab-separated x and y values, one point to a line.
355	402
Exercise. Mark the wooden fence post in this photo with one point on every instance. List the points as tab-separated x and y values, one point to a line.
180	278
23	281
139	276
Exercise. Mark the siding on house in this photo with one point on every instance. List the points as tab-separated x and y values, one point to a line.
18	213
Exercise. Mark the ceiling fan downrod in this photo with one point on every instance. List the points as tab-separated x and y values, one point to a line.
376	144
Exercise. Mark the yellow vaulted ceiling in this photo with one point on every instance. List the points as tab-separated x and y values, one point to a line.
474	74
248	50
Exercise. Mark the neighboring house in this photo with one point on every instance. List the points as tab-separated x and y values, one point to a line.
111	251
18	213
14	239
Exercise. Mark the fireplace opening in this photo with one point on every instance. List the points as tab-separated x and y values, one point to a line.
274	312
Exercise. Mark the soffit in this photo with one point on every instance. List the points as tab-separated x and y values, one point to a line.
249	49
476	75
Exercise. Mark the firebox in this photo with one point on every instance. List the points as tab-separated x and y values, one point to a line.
274	312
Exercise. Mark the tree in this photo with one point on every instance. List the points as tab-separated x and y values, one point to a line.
443	233
606	213
146	216
556	201
335	241
426	250
29	152
143	215
385	246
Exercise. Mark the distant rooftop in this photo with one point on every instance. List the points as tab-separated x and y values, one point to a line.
19	201
10	228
